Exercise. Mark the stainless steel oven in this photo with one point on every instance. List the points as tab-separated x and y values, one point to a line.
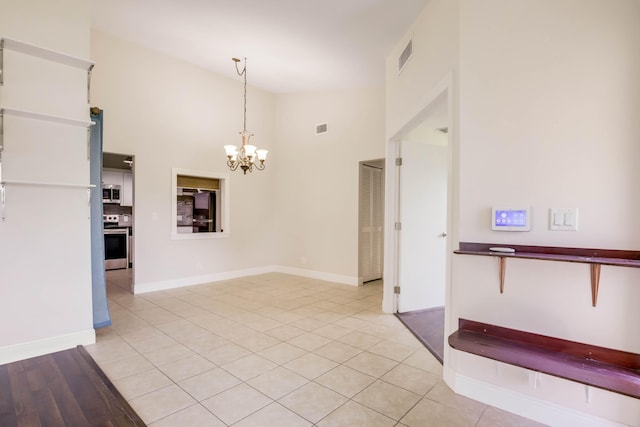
116	248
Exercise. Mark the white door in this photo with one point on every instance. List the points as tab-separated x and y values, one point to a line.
371	222
423	218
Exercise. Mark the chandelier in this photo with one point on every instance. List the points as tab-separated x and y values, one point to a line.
248	156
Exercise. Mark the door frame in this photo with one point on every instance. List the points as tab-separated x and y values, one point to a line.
132	241
380	164
392	207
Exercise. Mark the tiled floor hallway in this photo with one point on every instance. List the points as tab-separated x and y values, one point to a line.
275	350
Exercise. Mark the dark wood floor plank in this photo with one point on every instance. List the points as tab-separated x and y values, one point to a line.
29	420
25	400
42	377
91	402
66	402
109	389
49	413
61	389
35	400
7	412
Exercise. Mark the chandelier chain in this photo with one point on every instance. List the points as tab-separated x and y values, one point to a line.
244	73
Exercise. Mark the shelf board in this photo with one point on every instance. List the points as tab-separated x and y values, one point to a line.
621	258
609	369
48	54
45	117
594	257
47	184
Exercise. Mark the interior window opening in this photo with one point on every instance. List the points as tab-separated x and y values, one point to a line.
199	205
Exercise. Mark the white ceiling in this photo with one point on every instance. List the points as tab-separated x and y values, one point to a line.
290	45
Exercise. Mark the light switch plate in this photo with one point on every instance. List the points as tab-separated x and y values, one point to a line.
563	219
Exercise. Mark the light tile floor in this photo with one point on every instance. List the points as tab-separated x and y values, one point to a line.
275	350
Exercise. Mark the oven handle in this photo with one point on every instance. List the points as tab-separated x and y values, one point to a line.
117	231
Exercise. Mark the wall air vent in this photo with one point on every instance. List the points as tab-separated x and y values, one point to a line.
405	56
323	128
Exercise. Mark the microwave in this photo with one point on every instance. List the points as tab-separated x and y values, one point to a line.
110	193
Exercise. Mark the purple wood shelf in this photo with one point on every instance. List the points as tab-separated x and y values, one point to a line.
605	368
594	257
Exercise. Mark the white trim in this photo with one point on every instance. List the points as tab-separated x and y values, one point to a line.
320	275
48	54
527	406
46	117
48	184
27	350
200	236
390	267
444	88
141	288
225	193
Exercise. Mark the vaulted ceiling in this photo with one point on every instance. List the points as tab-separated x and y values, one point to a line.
290	45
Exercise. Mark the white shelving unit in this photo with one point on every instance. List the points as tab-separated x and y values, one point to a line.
46	117
48	55
43	117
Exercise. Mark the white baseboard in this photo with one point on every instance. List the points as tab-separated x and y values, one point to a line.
527	406
320	275
141	288
30	349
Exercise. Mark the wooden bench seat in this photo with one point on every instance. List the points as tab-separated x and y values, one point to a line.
605	368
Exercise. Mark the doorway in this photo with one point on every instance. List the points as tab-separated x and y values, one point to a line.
419	194
118	172
422	211
371	221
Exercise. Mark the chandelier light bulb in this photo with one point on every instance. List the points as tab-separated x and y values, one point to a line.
230	149
262	154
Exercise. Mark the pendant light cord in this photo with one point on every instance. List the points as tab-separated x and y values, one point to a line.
243	73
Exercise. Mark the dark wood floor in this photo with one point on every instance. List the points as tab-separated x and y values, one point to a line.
66	388
428	327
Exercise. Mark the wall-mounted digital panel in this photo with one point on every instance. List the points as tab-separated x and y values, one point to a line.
511	219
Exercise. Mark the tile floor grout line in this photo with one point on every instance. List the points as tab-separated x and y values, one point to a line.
314	305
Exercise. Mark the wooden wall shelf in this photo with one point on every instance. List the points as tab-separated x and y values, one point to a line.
609	369
594	257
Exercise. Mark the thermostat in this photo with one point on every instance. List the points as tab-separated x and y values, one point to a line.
511	219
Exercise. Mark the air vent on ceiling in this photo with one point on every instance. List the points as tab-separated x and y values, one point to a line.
323	128
405	55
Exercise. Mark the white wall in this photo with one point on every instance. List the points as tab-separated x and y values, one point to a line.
317	177
427	80
548	97
45	297
171	114
551	99
435	55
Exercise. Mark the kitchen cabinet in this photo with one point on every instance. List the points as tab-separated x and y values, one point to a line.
112	177
127	189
